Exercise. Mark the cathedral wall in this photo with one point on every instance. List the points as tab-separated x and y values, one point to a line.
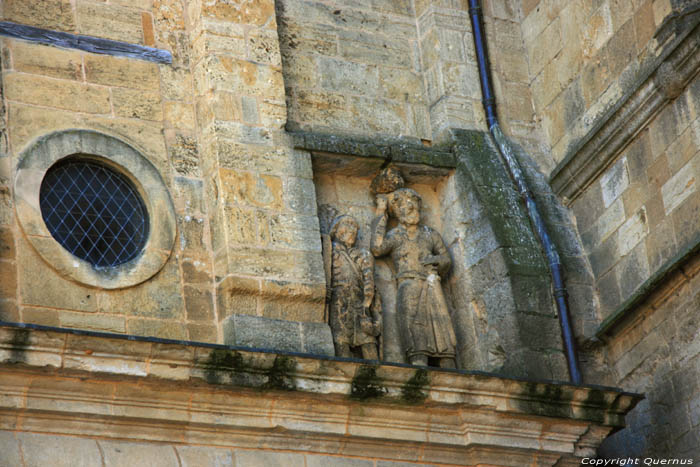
583	56
150	106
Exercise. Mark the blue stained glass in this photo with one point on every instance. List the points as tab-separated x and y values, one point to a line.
93	212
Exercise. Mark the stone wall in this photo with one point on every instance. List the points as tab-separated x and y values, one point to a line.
643	210
353	67
211	123
148	105
658	352
583	56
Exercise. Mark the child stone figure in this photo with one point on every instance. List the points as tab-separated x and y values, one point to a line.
420	257
355	315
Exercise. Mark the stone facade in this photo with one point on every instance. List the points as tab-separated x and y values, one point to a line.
269	109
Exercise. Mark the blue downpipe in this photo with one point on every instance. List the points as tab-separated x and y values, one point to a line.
516	173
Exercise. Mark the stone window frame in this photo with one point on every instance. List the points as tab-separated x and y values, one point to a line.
35	161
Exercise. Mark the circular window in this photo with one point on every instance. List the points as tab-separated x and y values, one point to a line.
94	212
94	208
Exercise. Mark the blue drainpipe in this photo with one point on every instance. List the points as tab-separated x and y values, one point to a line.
516	173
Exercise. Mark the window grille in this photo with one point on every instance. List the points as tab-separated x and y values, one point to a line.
93	212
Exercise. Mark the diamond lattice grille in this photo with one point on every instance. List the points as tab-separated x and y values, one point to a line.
94	212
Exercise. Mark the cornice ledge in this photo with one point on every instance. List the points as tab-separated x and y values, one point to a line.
659	81
228	367
389	149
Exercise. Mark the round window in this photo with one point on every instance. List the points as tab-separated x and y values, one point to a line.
94	212
94	208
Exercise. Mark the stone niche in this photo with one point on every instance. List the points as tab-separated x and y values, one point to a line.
343	182
498	289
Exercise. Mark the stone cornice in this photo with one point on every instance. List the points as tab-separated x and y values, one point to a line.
388	149
95	384
659	81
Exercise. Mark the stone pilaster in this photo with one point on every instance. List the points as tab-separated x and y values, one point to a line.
264	229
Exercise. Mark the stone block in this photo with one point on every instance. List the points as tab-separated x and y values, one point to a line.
604	256
9	446
42	286
43	316
8	280
124	72
48	14
237	295
348	77
661	244
685	220
611	219
110	21
376	49
289	309
679	187
9	311
317	339
68	95
196	272
192	235
263	47
127	454
157	328
683	149
632	271
251	189
202	333
47	61
663	130
132	103
632	231
545	47
323	461
98	322
268	459
199	304
179	114
262	333
252	12
614	181
184	154
59	451
195	456
160	297
608	293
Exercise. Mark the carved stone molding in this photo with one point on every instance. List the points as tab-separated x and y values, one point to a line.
658	83
93	385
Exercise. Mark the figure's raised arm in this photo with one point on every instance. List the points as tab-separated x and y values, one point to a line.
378	244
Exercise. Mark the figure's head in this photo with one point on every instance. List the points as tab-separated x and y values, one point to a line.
405	205
344	230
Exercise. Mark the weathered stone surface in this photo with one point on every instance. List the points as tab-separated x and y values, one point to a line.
110	21
320	461
194	456
58	450
124	454
157	328
50	14
272	459
67	95
137	104
116	71
47	61
107	323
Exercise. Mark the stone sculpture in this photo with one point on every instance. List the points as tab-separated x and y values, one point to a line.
420	258
355	308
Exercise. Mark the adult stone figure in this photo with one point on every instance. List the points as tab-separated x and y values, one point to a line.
420	257
355	312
